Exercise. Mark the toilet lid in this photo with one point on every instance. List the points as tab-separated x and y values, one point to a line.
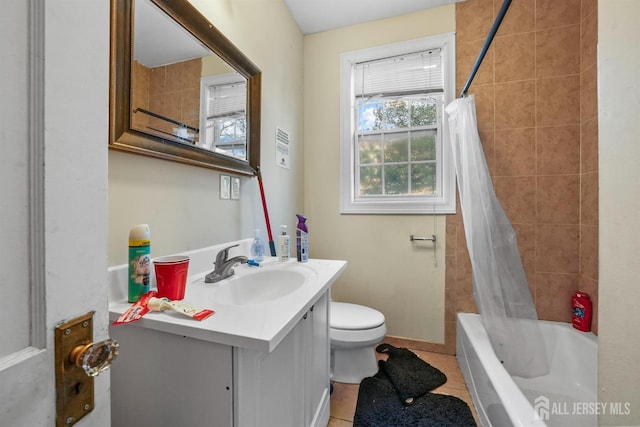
354	316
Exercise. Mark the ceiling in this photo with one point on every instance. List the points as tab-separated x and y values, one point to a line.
322	15
172	44
159	40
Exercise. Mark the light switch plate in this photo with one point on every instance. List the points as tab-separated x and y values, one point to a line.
225	186
235	187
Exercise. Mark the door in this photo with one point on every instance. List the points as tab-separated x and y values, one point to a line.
54	76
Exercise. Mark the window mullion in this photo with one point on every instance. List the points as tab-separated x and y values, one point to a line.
409	161
383	162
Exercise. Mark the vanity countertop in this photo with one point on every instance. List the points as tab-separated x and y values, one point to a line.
258	326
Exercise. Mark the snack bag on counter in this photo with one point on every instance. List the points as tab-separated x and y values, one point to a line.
137	309
162	304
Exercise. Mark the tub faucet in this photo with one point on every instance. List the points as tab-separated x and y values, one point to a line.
224	266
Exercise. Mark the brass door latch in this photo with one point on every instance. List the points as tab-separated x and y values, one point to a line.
77	361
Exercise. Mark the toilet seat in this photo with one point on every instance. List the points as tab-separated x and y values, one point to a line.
353	317
341	338
353	325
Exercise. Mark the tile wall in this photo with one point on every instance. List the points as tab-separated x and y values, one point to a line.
589	155
171	90
537	118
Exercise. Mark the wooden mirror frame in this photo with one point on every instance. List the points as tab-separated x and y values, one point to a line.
123	138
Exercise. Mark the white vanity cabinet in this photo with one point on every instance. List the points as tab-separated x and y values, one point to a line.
251	364
166	379
288	387
163	379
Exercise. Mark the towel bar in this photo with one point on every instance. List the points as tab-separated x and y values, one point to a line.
432	238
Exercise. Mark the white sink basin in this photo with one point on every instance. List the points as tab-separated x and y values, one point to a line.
258	287
255	286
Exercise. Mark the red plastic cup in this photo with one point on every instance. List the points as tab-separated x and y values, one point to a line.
171	276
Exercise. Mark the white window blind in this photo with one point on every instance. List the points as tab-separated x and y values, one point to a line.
225	100
419	72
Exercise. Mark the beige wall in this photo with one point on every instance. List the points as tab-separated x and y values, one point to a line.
181	203
385	270
619	130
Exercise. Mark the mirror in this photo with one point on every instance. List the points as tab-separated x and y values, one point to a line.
180	90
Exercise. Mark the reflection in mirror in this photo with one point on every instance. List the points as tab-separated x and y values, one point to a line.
190	91
223	103
182	90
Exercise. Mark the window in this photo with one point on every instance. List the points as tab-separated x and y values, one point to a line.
394	154
223	100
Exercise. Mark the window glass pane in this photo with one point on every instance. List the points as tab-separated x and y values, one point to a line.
396	147
396	179
424	113
393	114
228	134
370	149
232	129
369	115
423	178
370	180
423	145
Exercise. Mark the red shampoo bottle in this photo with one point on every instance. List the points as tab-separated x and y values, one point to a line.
581	311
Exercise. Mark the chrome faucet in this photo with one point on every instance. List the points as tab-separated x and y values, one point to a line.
224	266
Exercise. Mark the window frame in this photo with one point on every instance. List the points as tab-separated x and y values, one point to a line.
205	84
442	203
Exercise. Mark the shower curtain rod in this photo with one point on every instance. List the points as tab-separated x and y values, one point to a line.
485	47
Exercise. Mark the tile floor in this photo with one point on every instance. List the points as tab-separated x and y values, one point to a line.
345	396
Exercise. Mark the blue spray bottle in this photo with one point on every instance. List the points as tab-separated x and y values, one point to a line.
302	239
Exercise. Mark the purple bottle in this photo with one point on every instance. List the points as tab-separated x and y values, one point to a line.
302	239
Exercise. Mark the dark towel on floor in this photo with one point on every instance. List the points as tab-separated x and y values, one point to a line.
410	376
379	405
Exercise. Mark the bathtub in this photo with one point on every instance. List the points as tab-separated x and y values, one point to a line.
567	396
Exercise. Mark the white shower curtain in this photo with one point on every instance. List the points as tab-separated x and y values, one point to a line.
500	288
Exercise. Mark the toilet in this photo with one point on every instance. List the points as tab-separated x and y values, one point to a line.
354	331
